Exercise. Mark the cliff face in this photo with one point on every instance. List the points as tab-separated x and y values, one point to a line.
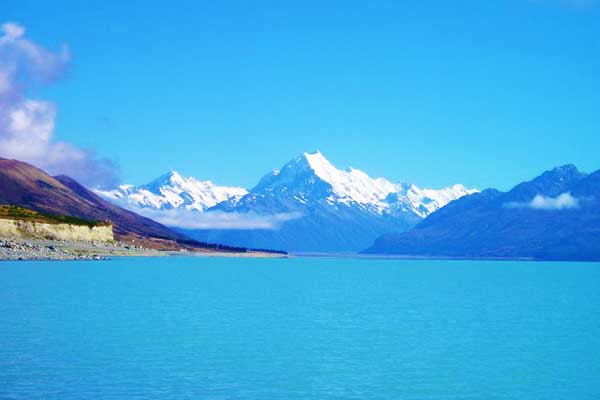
11	228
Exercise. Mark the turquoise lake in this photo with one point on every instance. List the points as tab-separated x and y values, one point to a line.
299	328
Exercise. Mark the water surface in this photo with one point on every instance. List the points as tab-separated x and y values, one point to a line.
303	328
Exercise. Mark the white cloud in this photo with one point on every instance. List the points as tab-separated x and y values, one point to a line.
12	30
563	201
27	125
192	219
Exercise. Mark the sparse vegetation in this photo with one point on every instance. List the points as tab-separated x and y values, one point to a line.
25	214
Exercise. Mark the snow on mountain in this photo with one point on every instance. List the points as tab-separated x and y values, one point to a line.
307	205
424	201
352	185
310	178
173	191
330	209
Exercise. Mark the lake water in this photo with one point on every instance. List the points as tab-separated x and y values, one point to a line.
303	328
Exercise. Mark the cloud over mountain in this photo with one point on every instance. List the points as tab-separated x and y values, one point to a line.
554	216
563	201
27	125
192	219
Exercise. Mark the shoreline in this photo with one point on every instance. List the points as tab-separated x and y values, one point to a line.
227	254
18	249
408	257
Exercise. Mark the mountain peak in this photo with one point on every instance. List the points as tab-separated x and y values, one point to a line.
569	170
311	177
321	166
563	173
313	153
566	167
166	178
551	183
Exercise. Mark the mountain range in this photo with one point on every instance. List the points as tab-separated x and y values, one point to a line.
171	191
555	216
23	185
308	205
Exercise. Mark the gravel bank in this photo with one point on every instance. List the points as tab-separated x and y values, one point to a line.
12	249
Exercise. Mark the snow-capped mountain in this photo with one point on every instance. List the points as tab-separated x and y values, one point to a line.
423	201
333	209
307	205
173	191
311	178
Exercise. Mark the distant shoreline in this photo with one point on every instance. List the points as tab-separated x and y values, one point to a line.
420	257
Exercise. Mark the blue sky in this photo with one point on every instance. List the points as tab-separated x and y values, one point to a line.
430	92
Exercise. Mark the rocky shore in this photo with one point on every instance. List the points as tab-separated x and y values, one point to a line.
18	249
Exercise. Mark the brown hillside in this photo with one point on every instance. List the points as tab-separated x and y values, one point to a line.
24	185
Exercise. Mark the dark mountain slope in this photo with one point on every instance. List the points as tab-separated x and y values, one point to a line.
512	224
